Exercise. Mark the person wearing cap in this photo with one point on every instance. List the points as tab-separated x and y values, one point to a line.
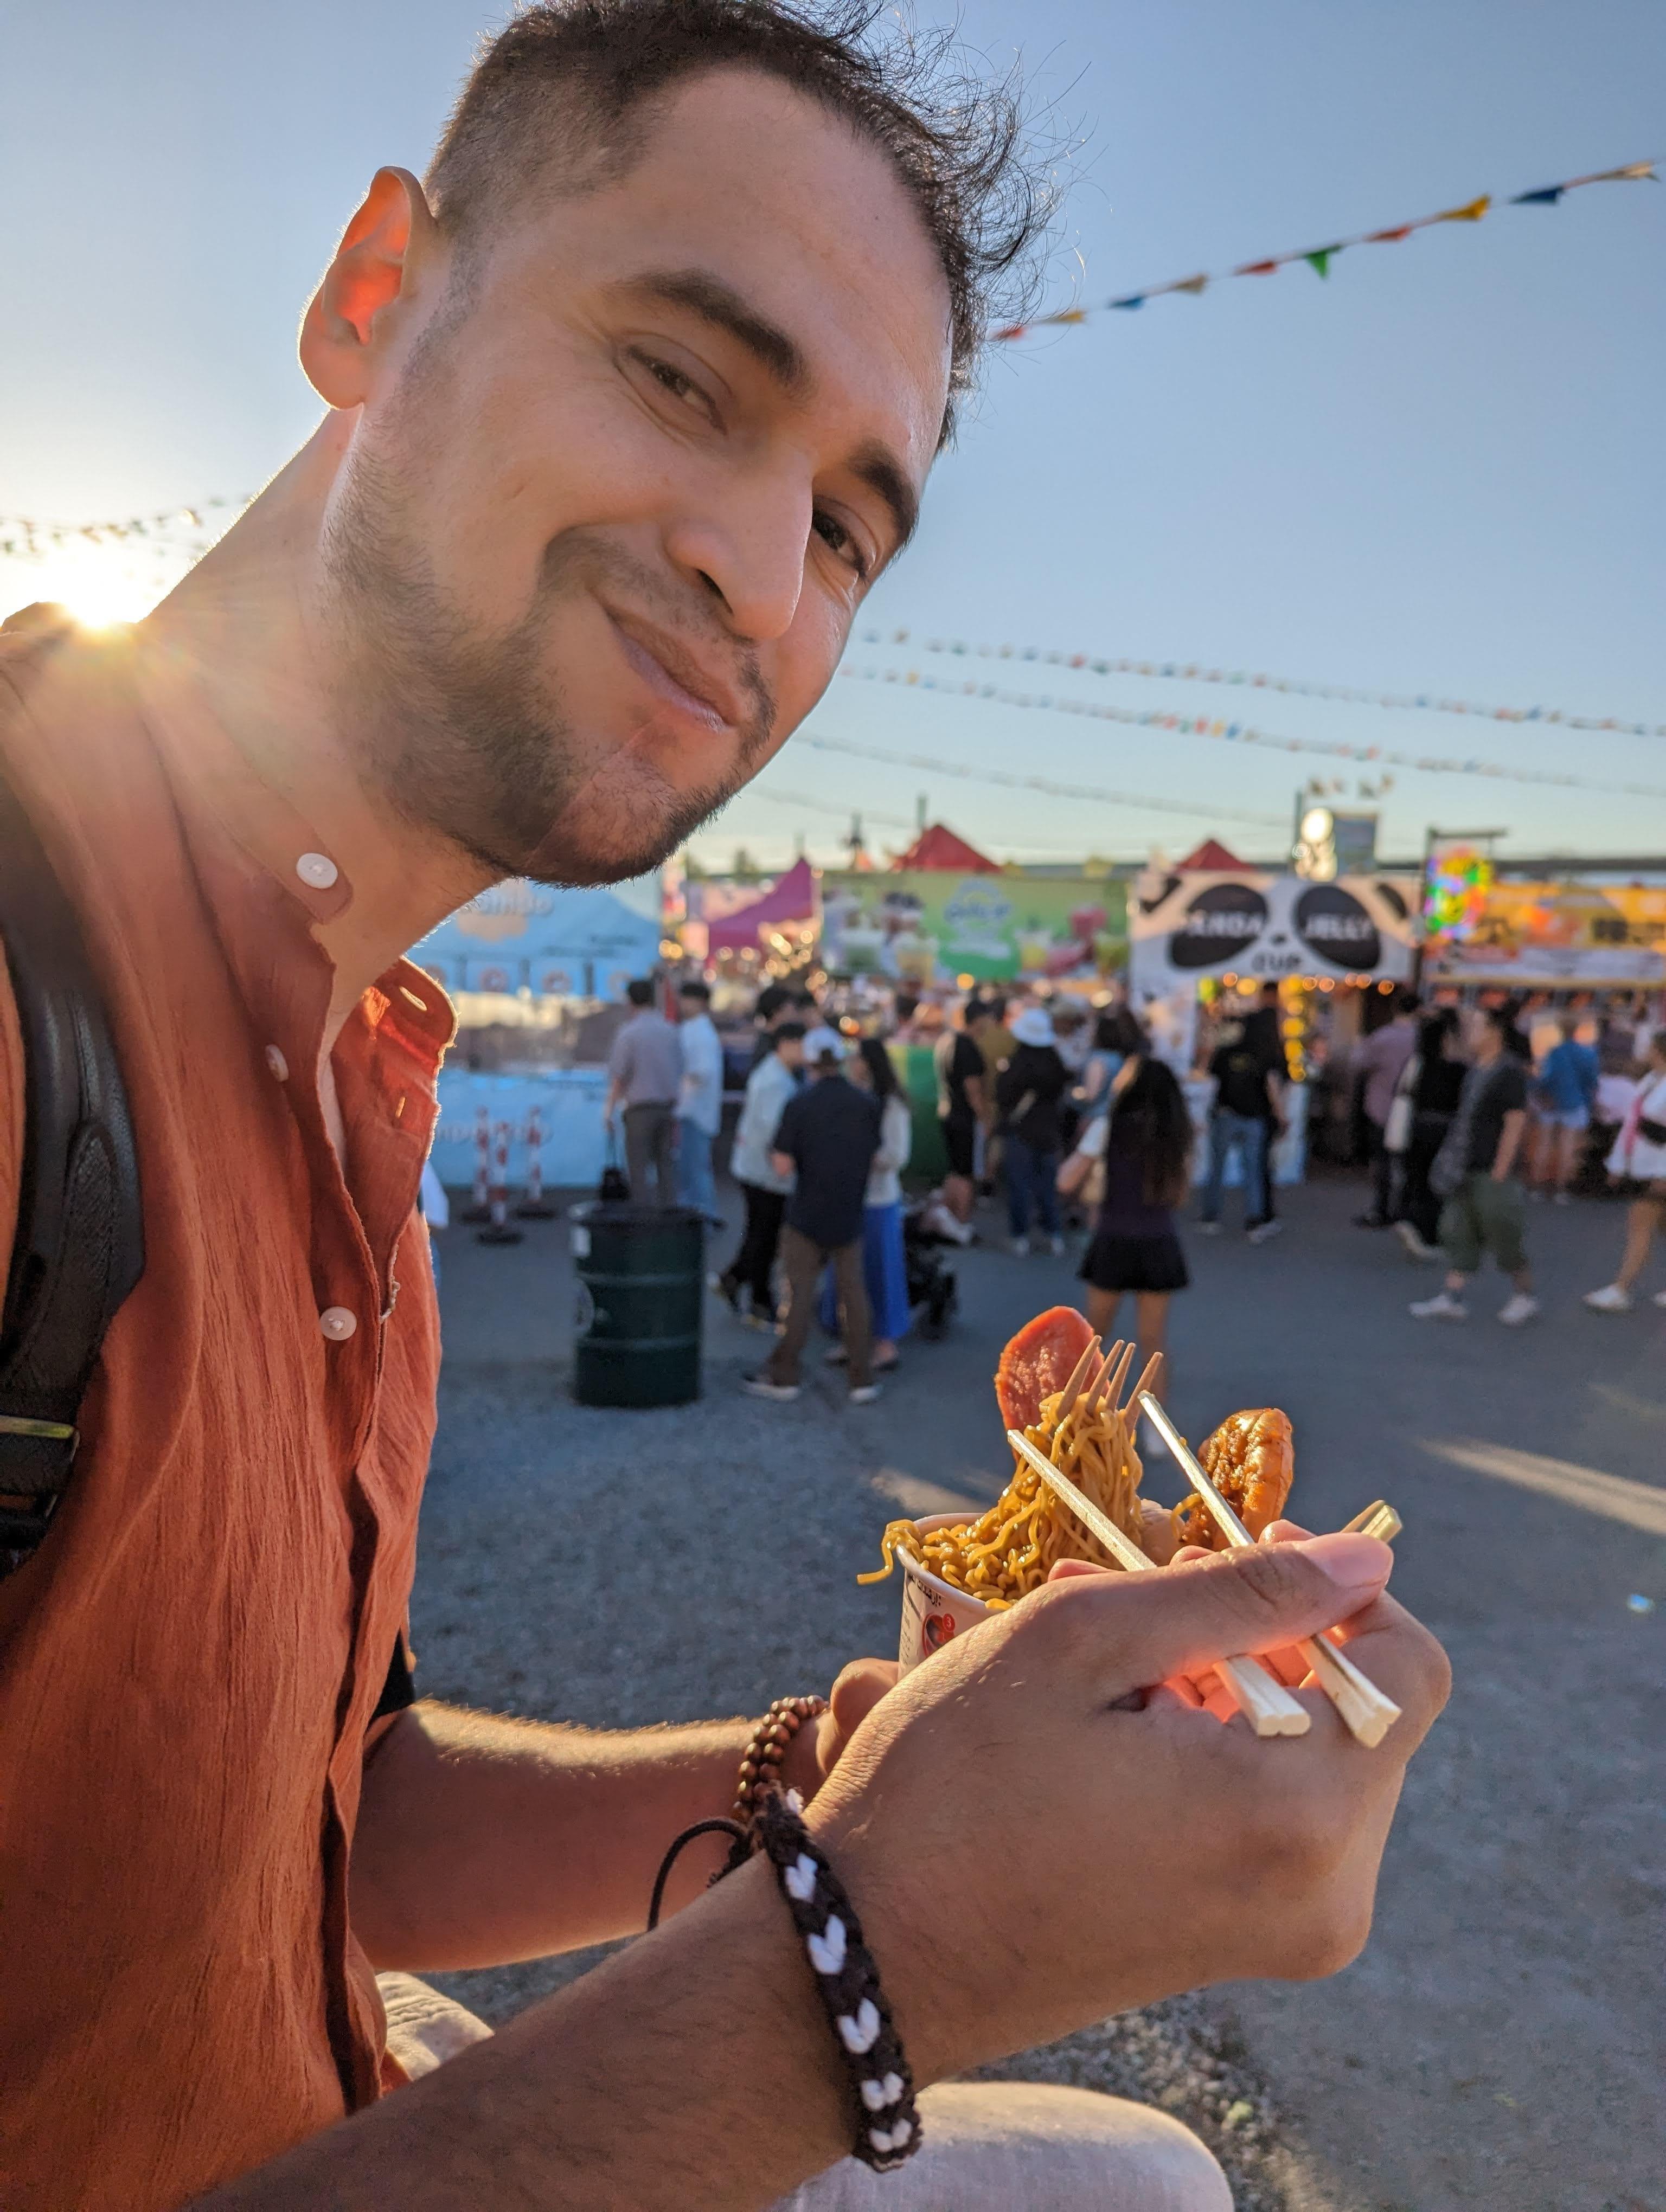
828	1136
1028	1090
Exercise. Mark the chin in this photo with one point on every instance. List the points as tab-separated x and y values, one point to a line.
605	836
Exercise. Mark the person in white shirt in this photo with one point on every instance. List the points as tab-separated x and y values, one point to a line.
1639	1158
772	1082
885	1265
700	1098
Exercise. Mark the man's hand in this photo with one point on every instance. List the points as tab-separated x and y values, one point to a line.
815	1751
1035	1833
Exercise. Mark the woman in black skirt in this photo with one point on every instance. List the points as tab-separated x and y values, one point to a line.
1146	1144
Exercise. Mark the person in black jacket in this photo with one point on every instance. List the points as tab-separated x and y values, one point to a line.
1028	1092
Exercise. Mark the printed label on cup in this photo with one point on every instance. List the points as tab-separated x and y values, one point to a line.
934	1614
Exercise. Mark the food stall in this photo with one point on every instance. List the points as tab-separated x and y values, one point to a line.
1202	942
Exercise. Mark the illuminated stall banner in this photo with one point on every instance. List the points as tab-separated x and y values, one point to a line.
1268	926
1542	935
928	926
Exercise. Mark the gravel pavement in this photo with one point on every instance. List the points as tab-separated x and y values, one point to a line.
1499	2044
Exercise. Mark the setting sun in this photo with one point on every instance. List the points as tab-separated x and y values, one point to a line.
98	587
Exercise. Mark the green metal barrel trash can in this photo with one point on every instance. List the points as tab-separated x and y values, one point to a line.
640	1300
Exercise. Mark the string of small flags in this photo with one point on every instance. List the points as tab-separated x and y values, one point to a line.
1188	671
964	773
1201	726
1319	258
26	538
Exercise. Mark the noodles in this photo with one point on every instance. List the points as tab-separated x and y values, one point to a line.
1009	1550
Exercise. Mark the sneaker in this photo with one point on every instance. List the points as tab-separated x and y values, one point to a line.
838	1356
1521	1308
1055	1246
1019	1248
865	1396
1442	1307
1660	1297
1610	1299
1563	1198
763	1385
1262	1230
766	1322
1206	1228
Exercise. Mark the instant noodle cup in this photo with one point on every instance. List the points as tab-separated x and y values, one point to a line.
933	1612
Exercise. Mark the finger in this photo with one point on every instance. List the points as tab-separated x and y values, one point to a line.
1284	1532
859	1688
1064	1571
1146	1628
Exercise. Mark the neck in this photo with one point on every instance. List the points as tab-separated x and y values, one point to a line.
241	641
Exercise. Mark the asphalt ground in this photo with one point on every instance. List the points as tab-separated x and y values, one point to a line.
1500	2041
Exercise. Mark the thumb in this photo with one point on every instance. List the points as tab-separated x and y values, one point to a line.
859	1688
1229	1605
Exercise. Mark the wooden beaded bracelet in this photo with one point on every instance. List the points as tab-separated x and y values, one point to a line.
760	1763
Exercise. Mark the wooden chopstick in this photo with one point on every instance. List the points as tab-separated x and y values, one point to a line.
1264	1702
1148	1381
1380	1521
1112	1390
1369	1713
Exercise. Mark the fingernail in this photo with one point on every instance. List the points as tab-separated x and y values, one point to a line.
1350	1559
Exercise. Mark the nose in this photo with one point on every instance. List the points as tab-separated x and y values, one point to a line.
745	545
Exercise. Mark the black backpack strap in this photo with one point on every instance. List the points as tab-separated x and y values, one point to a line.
79	1245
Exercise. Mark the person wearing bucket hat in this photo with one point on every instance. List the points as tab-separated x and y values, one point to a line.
1031	1082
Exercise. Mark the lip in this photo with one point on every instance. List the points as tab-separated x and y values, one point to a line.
682	681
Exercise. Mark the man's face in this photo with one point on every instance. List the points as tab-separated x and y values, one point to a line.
688	1009
597	541
790	1053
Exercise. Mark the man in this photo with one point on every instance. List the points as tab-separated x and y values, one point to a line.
774	1080
829	1134
1564	1092
700	1100
1378	1065
1241	1119
1476	1172
962	1088
628	406
645	1076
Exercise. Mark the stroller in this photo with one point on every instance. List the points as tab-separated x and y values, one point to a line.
933	1292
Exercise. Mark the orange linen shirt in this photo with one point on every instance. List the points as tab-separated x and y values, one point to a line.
189	1665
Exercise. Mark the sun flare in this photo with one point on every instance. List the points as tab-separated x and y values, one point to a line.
98	587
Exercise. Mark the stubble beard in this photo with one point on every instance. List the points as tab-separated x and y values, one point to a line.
461	729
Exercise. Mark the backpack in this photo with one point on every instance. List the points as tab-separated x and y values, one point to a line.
79	1244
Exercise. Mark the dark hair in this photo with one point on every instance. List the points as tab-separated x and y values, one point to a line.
692	987
880	1067
995	1005
1151	1119
639	991
806	998
1502	1019
976	1010
1404	1001
1433	1030
560	78
787	1033
770	1001
1116	1031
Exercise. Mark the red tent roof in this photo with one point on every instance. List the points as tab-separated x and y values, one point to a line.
1210	855
792	899
939	849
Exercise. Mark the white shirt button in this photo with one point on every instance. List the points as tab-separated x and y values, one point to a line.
278	1065
338	1324
317	871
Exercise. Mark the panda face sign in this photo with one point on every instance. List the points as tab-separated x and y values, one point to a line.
1269	926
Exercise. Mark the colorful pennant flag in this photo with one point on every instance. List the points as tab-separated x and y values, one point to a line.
1203	726
1190	671
1319	258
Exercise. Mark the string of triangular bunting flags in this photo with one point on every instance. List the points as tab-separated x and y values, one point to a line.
1319	258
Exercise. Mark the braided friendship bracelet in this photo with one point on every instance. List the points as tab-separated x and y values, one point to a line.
848	1983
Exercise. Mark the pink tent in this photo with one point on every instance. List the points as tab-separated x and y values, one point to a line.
793	899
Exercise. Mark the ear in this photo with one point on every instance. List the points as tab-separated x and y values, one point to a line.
390	241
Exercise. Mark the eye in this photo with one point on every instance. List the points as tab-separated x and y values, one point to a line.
675	383
839	542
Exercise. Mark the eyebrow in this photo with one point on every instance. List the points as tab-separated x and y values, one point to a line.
778	353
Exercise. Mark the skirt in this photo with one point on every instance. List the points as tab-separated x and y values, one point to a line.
1135	1263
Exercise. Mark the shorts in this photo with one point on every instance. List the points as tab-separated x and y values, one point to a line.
1482	1216
1568	1117
959	1141
1135	1263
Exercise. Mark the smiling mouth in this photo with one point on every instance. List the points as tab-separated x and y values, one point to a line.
676	689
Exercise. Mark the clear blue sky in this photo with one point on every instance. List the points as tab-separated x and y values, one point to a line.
1442	470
